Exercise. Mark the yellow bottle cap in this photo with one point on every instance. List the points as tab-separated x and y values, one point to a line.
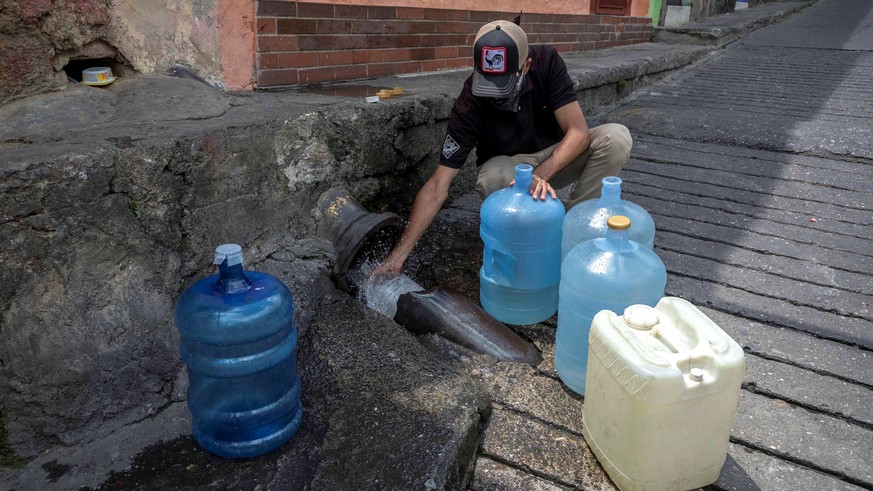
618	222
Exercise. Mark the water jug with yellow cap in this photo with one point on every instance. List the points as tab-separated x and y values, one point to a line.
587	220
611	273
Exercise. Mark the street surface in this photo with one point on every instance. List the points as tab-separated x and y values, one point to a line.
756	166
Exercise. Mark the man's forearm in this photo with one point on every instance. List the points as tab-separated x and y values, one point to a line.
427	204
576	140
567	151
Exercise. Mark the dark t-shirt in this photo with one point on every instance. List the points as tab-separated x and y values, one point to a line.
476	122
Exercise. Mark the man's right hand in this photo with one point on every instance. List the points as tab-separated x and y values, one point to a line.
389	265
428	201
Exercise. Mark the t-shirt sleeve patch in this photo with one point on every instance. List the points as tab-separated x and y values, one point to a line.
450	146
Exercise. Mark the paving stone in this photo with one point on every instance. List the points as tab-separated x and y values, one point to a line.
754	162
492	476
741	231
522	389
816	440
543	450
786	267
720	101
747	469
736	235
543	337
670	178
797	348
727	178
804	232
833	396
828	217
770	310
824	299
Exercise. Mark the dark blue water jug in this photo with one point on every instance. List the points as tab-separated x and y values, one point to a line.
587	220
521	264
609	273
238	340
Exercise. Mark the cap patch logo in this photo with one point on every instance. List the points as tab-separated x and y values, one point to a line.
493	59
450	146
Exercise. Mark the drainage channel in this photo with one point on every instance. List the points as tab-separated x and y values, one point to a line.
362	239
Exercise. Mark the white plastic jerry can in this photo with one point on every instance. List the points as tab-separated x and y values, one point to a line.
662	390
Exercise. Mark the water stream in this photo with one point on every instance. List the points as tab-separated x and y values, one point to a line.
381	292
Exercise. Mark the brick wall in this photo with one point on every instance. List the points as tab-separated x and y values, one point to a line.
304	43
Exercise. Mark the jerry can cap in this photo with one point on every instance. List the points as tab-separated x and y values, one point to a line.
641	317
618	222
231	252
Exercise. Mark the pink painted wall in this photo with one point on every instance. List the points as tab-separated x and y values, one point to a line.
639	8
236	40
539	7
217	37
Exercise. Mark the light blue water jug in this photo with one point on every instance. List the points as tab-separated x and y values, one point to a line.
611	273
518	282
238	341
587	220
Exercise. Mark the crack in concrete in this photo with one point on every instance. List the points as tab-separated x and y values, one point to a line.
789	301
804	153
800	462
753	388
819	371
760	270
527	470
771	322
550	424
656	160
725	186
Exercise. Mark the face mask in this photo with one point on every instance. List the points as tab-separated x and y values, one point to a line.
510	103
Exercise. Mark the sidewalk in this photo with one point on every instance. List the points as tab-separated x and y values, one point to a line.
722	29
351	444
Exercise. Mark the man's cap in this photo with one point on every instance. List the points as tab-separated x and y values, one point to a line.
499	54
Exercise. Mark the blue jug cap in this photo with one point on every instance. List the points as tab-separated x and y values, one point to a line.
231	252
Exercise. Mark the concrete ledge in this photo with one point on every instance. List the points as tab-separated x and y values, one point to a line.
603	77
136	174
726	28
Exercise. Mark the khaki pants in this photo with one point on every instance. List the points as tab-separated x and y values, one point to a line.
607	153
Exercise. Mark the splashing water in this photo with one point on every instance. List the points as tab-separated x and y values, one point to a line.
382	292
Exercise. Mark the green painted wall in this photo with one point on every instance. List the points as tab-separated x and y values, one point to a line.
655	10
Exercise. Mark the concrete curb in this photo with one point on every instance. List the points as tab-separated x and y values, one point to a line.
726	28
